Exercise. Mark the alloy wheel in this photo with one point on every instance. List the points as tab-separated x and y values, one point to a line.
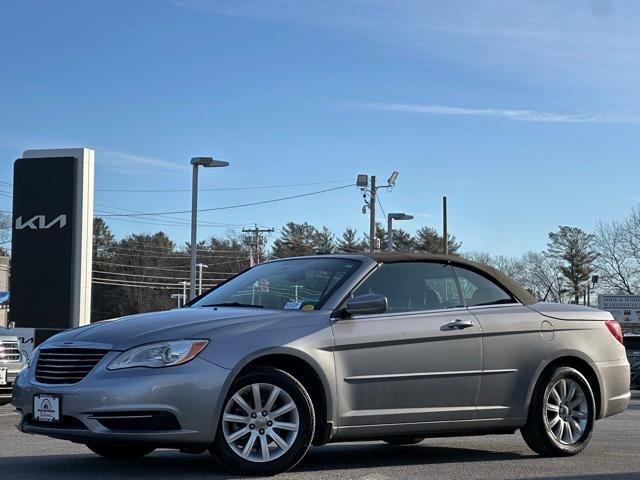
566	411
260	422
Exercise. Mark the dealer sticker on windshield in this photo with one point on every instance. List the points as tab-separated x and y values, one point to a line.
46	408
292	305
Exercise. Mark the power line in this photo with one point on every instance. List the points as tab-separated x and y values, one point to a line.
183	221
136	275
381	207
228	207
215	189
155	268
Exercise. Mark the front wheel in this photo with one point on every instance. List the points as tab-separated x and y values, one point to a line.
561	415
120	451
267	424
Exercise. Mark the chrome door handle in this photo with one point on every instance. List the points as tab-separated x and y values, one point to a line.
459	324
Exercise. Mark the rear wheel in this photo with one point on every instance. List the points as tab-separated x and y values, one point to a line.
561	415
120	451
267	424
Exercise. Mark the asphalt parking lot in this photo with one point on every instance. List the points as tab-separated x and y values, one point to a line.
614	453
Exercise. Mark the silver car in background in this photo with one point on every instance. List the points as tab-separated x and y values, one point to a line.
310	350
11	362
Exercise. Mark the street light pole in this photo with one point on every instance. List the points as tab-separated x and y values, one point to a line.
390	218
200	267
194	232
197	162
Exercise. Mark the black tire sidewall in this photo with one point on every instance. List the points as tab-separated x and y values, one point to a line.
223	453
551	445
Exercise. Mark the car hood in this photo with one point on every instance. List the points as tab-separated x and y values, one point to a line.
126	332
563	311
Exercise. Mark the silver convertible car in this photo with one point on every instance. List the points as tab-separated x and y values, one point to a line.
304	351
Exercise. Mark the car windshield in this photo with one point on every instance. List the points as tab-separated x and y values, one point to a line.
297	284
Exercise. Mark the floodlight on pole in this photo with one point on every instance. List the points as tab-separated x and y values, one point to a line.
206	162
390	218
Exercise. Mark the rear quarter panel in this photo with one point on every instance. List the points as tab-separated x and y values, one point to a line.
519	343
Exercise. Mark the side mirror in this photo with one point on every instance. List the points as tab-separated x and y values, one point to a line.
368	304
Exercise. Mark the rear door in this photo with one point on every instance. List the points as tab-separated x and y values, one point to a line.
420	361
511	345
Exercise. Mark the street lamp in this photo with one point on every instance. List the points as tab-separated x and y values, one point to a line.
200	267
197	162
390	218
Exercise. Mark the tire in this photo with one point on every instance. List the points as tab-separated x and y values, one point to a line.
120	451
567	430
241	424
398	441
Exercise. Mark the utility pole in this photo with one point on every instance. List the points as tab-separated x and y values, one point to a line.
256	240
372	214
445	233
363	182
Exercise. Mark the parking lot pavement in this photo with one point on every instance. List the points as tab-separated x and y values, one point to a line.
614	453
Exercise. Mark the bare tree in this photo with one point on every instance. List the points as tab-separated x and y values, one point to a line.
618	267
5	233
543	277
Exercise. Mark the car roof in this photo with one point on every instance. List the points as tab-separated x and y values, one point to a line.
509	284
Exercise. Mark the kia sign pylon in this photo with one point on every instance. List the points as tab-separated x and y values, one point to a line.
52	240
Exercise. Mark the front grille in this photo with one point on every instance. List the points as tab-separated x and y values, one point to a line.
9	351
66	365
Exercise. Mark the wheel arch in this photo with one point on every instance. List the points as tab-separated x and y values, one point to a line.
306	370
574	360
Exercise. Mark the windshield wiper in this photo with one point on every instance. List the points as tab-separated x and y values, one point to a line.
233	304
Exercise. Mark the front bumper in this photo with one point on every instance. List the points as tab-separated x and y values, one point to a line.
12	372
191	393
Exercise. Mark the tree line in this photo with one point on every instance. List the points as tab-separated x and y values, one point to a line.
142	271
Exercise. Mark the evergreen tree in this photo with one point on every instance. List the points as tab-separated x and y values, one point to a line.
325	241
575	248
349	242
295	239
428	240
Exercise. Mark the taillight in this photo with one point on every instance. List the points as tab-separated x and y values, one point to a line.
615	329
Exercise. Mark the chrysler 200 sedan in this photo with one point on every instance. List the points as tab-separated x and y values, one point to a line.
310	350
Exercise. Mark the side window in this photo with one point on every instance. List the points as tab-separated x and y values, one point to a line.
414	286
478	290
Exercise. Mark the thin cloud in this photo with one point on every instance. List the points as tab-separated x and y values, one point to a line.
589	47
124	161
520	115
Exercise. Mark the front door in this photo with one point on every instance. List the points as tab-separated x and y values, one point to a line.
418	362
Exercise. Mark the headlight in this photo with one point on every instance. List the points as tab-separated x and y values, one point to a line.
162	354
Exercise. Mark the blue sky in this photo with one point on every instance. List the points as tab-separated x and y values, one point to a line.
526	117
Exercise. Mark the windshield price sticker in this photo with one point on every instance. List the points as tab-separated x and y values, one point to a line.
291	305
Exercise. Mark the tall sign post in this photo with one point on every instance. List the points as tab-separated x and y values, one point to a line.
52	237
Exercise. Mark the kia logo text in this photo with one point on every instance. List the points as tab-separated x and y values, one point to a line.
39	222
